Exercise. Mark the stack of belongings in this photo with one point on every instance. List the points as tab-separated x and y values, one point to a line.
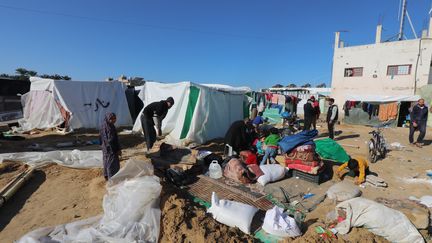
300	155
305	159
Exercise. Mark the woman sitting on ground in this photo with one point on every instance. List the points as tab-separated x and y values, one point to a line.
110	146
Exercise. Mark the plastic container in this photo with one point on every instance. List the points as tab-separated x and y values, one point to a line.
215	170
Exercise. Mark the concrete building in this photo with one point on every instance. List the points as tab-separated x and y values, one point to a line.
382	69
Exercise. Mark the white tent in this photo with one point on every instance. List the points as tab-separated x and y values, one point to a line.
200	112
50	102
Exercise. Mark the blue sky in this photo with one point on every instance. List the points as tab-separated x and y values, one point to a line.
253	43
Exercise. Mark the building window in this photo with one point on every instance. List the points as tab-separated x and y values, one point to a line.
393	70
353	72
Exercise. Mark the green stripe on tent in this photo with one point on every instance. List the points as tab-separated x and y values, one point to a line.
193	100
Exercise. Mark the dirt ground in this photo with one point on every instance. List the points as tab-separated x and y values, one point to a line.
57	195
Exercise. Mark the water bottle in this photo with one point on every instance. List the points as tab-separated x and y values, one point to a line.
215	170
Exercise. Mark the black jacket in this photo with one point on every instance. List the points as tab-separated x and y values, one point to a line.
418	114
309	111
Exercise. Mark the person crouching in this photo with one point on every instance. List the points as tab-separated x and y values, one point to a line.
271	146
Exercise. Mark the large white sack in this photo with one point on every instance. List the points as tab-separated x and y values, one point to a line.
272	172
69	158
231	213
131	213
343	191
378	219
425	200
278	223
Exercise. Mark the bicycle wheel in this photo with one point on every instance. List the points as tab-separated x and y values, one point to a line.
373	154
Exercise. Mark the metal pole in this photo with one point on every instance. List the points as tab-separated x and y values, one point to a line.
402	20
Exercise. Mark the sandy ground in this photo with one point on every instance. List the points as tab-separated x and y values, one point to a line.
57	195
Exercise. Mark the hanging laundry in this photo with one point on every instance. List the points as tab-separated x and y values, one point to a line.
281	100
388	111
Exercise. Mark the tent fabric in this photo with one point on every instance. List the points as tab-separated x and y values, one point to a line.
87	103
207	111
382	98
288	143
329	149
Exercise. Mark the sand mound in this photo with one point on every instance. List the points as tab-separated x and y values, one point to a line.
185	221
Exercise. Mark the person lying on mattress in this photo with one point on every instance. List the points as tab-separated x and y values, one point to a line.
358	168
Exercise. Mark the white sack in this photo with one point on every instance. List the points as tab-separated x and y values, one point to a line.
272	172
131	213
343	191
68	158
378	219
231	213
278	223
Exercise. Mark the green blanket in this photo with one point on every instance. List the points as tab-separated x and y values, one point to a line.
329	149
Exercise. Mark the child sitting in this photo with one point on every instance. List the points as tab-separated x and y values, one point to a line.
358	167
271	146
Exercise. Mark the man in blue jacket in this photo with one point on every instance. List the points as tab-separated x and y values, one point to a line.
419	116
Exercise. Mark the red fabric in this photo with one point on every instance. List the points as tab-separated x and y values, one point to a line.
313	170
301	162
248	157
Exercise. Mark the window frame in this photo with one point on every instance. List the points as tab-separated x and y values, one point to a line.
399	65
353	76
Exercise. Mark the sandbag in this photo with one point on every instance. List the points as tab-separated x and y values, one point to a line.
391	224
277	223
342	191
231	213
272	172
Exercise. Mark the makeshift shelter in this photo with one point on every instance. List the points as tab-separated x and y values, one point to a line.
376	109
76	104
200	112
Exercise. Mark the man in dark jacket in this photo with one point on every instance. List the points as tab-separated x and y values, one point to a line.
419	116
152	115
332	117
309	114
239	135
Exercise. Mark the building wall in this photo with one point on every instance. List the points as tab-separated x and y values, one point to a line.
375	59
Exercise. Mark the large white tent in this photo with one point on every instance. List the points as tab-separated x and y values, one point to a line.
84	104
200	112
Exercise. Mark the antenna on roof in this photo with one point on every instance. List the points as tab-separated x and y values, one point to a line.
402	19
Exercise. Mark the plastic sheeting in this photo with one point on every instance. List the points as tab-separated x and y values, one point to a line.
40	111
88	102
381	98
131	212
70	158
216	108
329	149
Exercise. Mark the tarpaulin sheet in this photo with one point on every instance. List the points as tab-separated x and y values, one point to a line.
288	143
87	102
70	158
131	212
329	149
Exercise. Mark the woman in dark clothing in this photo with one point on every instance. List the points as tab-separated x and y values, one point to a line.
110	146
239	135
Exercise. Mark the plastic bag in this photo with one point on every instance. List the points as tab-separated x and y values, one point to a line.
131	213
276	222
231	213
271	173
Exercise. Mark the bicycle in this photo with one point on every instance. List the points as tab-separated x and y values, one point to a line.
377	144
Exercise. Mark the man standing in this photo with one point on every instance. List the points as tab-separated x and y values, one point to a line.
419	116
152	115
315	105
309	114
332	117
